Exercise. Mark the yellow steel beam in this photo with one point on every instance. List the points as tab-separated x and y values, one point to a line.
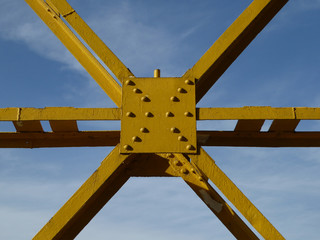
89	36
256	113
242	113
208	167
232	42
151	165
193	177
112	138
258	139
284	125
89	198
75	46
59	139
59	113
28	126
64	126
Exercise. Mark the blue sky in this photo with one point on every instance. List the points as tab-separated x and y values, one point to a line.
280	69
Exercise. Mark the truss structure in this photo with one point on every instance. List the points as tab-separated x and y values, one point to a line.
158	134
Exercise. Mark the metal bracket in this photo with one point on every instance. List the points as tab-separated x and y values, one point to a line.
158	116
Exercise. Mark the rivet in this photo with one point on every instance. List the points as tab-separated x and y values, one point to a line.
144	130
174	99
184	171
188	114
137	90
130	114
176	162
182	90
145	99
169	155
189	82
169	114
190	147
127	147
136	139
182	139
174	130
129	82
200	178
148	114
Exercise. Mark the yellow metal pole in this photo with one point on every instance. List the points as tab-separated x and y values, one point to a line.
79	51
208	167
193	177
89	199
232	42
96	44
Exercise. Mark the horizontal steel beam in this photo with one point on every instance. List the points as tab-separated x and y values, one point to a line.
205	138
59	113
59	139
255	113
258	139
242	113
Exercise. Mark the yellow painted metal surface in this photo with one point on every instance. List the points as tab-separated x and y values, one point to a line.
158	115
59	113
232	42
88	200
79	51
194	178
59	139
155	120
208	167
97	45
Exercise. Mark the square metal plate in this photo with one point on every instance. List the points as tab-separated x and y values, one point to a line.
158	116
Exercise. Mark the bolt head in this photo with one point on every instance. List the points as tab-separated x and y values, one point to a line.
144	130
148	114
189	82
130	114
127	147
169	114
174	99
145	99
129	82
137	90
181	90
136	139
188	114
190	147
184	171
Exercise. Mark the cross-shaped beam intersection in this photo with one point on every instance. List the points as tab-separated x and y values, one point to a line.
158	124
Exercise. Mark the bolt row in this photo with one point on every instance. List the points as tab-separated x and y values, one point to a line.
149	114
132	83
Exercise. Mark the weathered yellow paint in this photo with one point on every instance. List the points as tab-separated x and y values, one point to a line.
158	121
64	126
258	139
249	125
158	115
252	113
59	139
193	177
89	199
208	167
232	42
284	125
97	45
151	165
79	51
28	126
59	113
